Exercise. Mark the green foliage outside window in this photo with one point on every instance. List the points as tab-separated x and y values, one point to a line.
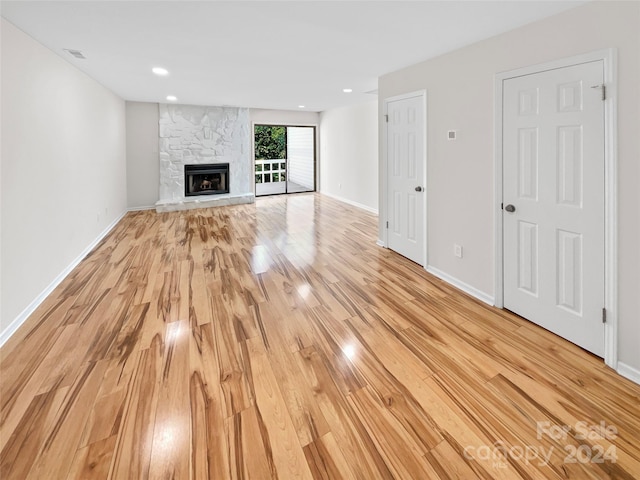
271	142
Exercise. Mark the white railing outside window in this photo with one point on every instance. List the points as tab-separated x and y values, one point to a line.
271	171
271	176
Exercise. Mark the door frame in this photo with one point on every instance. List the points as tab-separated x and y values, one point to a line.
609	59
285	125
385	169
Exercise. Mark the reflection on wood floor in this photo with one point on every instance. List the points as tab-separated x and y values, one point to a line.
276	340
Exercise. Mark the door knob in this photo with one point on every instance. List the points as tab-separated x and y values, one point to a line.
510	208
418	189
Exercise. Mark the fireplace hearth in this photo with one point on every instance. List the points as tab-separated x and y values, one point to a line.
206	179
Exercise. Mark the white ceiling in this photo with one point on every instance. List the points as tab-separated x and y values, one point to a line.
261	54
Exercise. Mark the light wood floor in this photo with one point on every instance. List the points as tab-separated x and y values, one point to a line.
276	340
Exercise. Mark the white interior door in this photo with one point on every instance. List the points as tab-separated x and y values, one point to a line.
405	177
553	193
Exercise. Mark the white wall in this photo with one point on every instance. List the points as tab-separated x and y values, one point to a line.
349	148
143	167
460	188
283	117
63	167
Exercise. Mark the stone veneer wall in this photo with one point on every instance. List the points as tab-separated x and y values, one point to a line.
191	135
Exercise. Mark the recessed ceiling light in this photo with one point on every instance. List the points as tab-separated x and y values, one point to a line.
300	106
160	71
172	98
347	90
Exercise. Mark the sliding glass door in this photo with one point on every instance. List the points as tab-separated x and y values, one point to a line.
284	159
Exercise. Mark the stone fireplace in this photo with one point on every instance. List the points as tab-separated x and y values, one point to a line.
195	143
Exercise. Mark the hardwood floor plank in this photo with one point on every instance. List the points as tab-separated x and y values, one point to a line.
232	365
19	365
288	456
17	395
277	340
474	402
62	440
132	455
199	305
104	420
570	415
36	329
309	422
170	451
22	448
390	351
332	338
154	323
209	444
365	461
93	461
297	332
461	433
553	449
445	353
325	459
577	382
250	448
448	464
401	453
211	440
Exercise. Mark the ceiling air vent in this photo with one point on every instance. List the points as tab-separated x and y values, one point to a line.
75	53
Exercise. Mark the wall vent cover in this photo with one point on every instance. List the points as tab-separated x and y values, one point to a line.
75	53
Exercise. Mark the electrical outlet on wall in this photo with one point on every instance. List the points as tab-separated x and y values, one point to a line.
457	250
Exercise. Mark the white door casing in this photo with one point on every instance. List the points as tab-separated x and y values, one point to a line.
406	195
554	176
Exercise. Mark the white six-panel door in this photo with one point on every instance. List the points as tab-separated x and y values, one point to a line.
405	177
553	177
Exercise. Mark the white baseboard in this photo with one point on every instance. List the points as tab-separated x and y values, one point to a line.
137	209
465	287
629	372
22	317
380	243
351	202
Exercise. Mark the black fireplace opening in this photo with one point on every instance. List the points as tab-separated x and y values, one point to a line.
206	179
